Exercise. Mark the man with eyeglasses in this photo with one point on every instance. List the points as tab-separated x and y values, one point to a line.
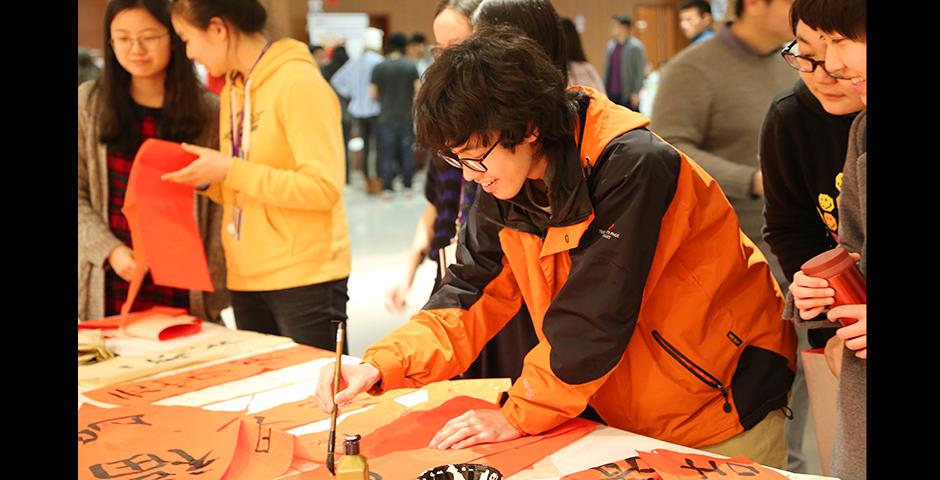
711	101
802	151
650	306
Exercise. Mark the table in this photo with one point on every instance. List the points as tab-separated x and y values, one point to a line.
270	389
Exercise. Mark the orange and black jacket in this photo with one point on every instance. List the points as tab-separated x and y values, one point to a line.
649	302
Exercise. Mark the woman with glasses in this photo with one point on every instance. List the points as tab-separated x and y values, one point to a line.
279	174
148	89
802	150
450	196
842	27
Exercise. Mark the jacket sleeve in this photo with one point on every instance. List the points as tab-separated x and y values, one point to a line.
478	297
316	142
639	68
681	116
586	328
95	239
853	199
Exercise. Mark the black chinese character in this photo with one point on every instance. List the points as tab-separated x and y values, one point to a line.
703	470
90	434
751	470
132	466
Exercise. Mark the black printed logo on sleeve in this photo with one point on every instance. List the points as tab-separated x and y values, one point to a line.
734	339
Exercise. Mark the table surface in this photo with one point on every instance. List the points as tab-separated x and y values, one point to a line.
291	384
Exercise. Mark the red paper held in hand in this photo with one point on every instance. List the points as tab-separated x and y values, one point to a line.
161	217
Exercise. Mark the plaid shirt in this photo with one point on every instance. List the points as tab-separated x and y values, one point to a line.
119	170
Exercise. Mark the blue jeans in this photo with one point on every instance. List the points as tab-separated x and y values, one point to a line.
396	139
303	313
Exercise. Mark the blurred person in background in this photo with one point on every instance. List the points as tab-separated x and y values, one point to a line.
352	81
712	99
625	65
419	52
580	71
87	70
337	60
393	84
695	20
319	55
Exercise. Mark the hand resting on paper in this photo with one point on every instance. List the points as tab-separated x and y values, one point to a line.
812	295
211	167
354	379
856	334
121	260
474	427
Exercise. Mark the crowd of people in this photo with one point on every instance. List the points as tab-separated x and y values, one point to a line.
643	271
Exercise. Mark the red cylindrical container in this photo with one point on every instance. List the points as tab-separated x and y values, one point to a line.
839	269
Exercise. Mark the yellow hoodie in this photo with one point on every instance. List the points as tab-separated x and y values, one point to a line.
289	186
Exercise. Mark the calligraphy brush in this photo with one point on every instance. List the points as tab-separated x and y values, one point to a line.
331	446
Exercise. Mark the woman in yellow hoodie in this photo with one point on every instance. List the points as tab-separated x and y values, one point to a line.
279	175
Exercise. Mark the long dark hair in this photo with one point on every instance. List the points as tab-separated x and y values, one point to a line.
537	19
339	58
573	41
247	16
184	114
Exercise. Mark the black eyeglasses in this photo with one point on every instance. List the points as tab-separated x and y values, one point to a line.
807	64
475	164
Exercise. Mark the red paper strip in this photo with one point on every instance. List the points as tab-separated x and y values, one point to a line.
170	232
148	391
115	320
518	459
685	466
150	441
161	217
633	468
399	449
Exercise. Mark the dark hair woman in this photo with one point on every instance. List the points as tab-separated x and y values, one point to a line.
580	71
148	89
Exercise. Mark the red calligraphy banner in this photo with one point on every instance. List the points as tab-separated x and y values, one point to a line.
672	465
633	468
149	441
149	391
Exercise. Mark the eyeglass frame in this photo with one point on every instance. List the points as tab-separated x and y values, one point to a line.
786	53
138	40
455	161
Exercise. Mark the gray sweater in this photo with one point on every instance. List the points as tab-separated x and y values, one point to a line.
711	103
849	449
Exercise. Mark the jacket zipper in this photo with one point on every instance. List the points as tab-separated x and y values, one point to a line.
699	372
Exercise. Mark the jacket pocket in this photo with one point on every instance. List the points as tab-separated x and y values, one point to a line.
699	372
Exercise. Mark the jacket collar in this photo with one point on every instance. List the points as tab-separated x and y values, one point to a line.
598	122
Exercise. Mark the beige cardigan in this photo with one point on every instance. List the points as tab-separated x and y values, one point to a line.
95	240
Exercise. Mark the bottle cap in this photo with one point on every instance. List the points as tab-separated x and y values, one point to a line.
828	264
351	444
